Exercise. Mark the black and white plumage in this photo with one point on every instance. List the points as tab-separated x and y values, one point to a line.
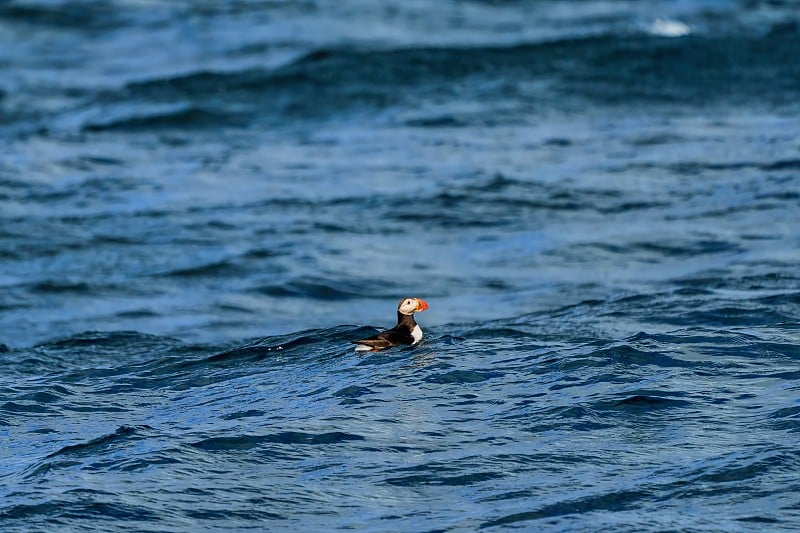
406	332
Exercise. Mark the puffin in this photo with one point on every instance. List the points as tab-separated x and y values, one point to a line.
406	332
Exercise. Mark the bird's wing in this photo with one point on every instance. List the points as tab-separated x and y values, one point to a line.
386	339
374	344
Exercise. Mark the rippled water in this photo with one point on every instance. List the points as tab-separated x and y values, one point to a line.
202	203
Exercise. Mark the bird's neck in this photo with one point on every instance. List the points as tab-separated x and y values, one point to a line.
406	320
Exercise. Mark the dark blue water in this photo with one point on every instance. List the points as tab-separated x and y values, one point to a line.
202	203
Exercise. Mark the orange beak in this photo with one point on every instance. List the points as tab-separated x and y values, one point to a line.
421	305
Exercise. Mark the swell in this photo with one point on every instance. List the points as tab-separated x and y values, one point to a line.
610	69
652	62
730	476
191	117
65	509
322	288
125	360
247	442
70	455
86	17
123	433
298	343
469	413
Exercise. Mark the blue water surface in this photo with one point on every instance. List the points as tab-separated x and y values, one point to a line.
202	203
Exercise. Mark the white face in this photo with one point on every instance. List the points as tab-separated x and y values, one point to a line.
408	306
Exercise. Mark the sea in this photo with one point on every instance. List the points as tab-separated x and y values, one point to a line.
203	202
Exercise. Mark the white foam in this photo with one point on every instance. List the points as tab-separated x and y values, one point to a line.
665	27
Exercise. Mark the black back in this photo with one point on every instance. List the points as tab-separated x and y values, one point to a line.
400	334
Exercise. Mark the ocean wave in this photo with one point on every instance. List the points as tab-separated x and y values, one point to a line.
86	17
342	81
247	442
499	386
144	119
222	195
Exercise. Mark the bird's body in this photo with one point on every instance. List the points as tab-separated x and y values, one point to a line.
407	332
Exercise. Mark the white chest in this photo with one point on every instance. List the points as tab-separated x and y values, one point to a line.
416	334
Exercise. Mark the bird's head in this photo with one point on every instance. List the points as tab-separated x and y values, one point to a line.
409	306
